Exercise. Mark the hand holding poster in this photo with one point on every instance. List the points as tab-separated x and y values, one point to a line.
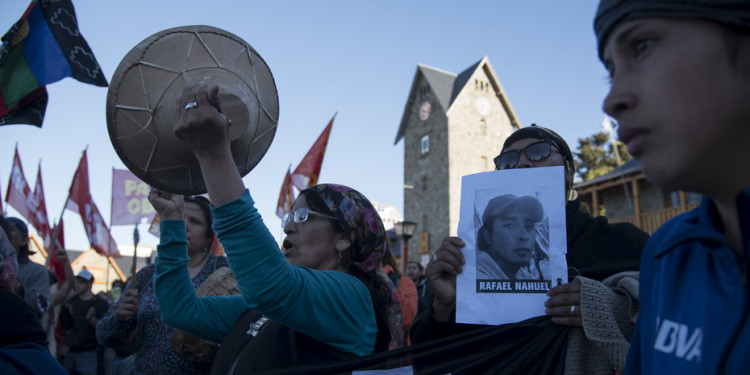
513	224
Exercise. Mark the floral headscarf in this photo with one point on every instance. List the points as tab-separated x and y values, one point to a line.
359	220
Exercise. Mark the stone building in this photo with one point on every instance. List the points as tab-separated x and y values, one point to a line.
453	125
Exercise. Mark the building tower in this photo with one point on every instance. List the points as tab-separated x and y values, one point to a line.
452	126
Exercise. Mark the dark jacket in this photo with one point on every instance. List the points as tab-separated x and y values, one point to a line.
271	346
694	291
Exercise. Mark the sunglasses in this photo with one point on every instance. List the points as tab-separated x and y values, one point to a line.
534	152
300	215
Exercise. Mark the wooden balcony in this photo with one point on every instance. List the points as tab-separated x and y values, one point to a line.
650	221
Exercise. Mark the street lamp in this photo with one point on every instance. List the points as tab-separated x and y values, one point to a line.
405	230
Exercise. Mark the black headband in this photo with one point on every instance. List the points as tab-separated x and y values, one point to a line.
612	12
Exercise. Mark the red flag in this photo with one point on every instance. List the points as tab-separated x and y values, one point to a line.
38	219
56	264
80	200
216	247
286	196
307	172
18	189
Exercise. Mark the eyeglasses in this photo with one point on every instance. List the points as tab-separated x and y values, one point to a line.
535	152
300	215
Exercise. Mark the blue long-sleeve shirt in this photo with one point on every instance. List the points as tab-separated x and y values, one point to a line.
695	307
330	306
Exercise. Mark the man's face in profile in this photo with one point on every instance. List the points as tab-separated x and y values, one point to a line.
513	237
16	237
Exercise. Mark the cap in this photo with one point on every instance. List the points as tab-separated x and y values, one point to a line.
509	203
86	275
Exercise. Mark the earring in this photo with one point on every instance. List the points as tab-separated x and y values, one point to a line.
572	195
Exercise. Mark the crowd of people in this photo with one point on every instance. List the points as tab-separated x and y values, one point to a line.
333	301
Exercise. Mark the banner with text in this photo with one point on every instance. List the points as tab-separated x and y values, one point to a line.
129	199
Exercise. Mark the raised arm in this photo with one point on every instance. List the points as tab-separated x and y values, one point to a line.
267	283
62	293
210	318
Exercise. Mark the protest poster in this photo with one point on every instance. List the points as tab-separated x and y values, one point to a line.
513	224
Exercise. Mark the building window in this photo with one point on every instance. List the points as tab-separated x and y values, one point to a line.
482	127
485	165
423	91
425	145
424	183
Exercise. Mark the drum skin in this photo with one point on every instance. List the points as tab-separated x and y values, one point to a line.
141	103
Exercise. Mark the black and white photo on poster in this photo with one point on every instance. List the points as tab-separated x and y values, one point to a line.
513	224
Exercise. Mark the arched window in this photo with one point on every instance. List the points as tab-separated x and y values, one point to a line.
425	145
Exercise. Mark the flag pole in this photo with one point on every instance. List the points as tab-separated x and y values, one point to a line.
136	238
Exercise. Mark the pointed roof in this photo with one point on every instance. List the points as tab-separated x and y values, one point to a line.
447	86
629	167
440	81
463	78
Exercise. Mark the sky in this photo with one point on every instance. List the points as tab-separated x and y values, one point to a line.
353	58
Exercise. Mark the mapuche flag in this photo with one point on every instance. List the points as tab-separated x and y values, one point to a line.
43	47
307	172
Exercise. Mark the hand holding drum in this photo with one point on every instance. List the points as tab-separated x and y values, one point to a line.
201	124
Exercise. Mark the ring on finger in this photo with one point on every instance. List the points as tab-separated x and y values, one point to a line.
434	257
191	105
226	118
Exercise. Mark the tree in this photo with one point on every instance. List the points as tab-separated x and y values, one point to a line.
596	156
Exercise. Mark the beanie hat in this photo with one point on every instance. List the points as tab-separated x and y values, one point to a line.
20	225
536	131
612	12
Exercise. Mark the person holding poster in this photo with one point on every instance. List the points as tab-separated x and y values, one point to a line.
597	305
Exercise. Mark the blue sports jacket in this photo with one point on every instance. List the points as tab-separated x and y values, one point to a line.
694	297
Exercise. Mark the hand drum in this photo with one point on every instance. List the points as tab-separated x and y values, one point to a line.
141	103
